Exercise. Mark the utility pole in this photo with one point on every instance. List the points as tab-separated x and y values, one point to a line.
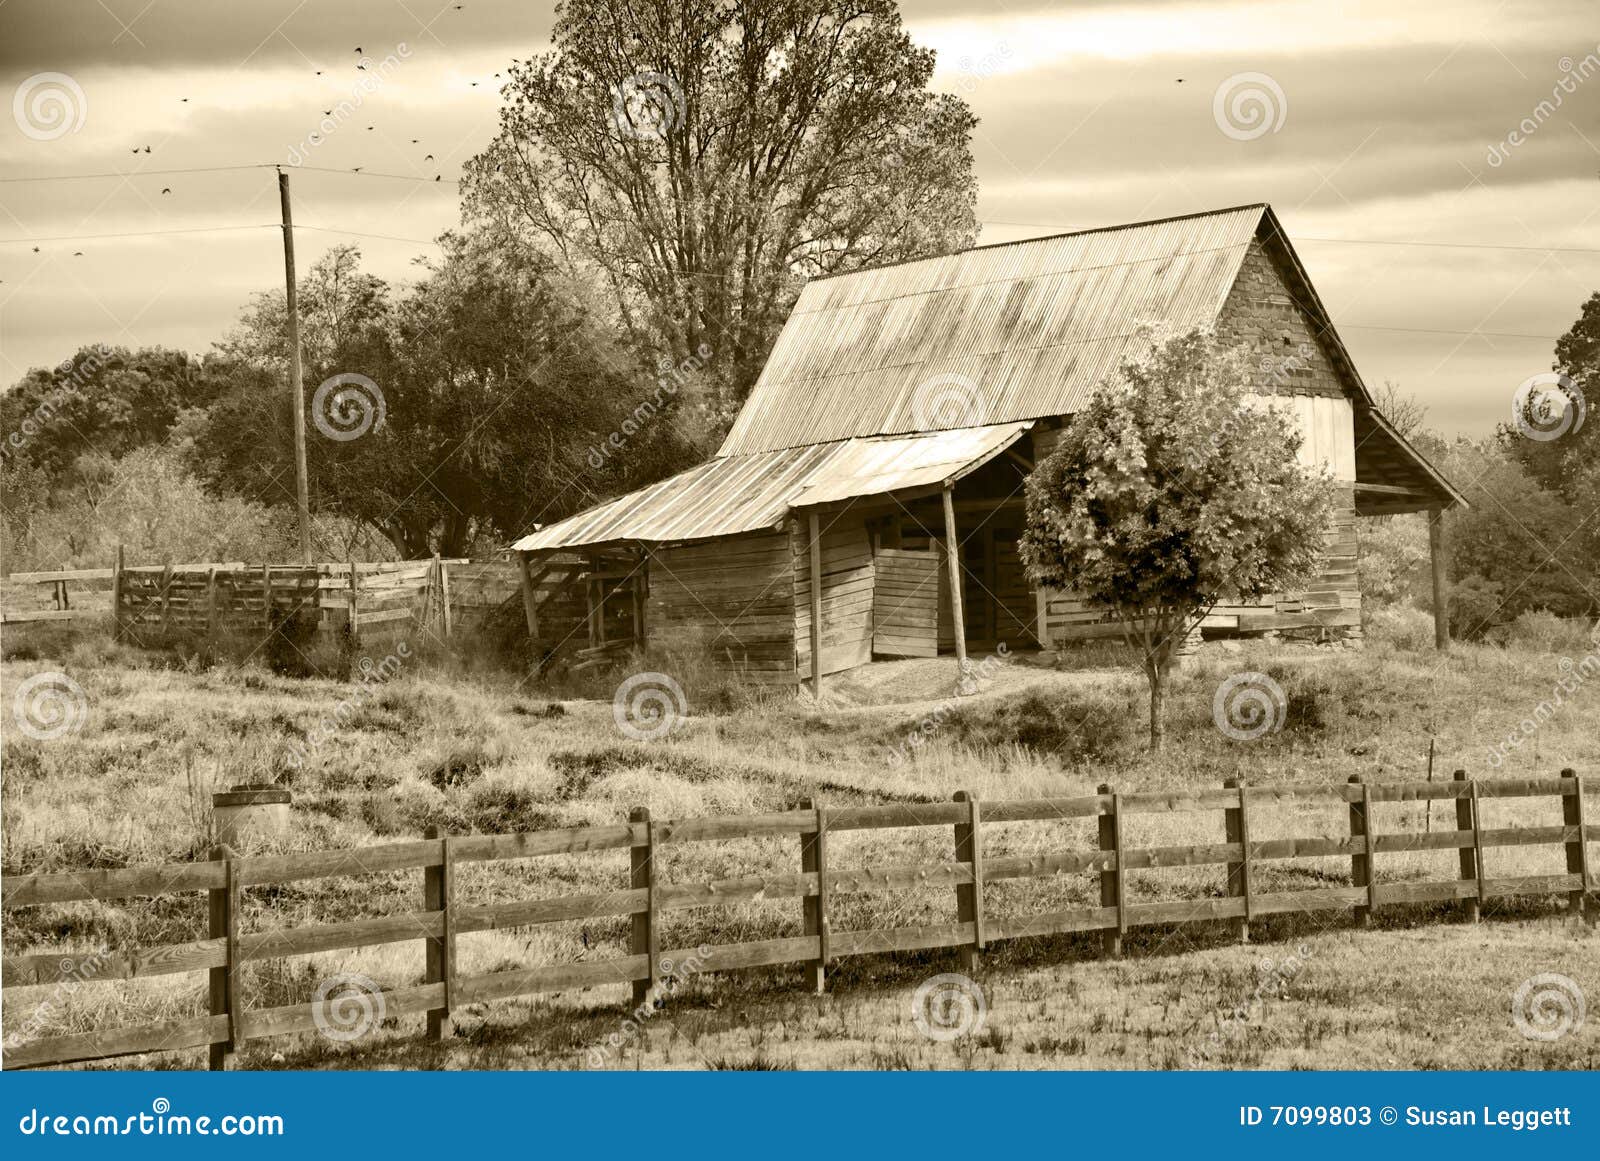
296	387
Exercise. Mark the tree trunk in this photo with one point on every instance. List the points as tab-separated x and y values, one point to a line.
1158	680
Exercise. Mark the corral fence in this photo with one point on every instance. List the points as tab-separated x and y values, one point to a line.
207	600
441	916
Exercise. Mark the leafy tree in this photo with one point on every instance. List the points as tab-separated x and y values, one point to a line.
704	157
1170	492
1558	463
496	385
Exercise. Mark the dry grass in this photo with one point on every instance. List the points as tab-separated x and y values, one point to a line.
472	752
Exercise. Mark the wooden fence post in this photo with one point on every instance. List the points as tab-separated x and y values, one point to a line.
1466	819
1577	849
166	596
814	860
1477	842
1361	860
1372	850
643	875
438	894
355	614
221	926
1111	878
1237	830
116	597
211	605
969	896
266	599
444	597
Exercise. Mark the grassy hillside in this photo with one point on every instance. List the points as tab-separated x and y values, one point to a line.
432	746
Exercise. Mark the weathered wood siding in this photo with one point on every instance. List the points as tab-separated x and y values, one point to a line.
733	598
847	584
905	603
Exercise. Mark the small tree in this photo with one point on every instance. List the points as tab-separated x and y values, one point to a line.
1170	492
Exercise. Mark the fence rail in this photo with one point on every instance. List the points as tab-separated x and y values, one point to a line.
441	917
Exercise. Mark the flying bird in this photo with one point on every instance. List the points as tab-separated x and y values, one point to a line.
358	169
36	249
327	112
358	50
428	158
436	177
413	141
77	253
147	149
167	191
185	100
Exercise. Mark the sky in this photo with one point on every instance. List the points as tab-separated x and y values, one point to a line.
1436	163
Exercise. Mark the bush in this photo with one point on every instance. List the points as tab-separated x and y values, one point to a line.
1405	627
1544	632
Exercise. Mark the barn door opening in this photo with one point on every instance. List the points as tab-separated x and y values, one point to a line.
905	603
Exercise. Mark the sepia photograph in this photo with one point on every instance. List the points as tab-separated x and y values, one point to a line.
1057	540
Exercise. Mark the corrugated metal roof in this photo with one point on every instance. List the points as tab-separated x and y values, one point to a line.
985	336
733	494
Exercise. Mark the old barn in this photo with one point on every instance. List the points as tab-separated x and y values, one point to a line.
868	499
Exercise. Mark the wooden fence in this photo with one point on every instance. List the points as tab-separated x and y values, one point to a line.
441	916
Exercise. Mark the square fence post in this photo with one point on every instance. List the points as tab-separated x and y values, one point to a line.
438	895
1237	830
220	991
969	896
1467	819
1111	877
814	860
642	871
1361	853
1577	849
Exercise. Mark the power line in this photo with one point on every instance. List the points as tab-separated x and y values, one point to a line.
137	173
137	234
1298	238
359	234
1432	331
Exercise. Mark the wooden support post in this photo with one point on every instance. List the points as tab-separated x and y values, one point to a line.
220	926
957	619
1361	853
438	895
444	598
814	860
1110	877
1441	586
355	612
166	596
813	526
1466	819
266	599
1574	804
637	587
969	896
530	604
643	875
1041	611
1477	842
1577	852
1372	853
211	605
116	597
1236	830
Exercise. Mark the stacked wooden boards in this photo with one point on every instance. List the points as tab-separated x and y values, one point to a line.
732	598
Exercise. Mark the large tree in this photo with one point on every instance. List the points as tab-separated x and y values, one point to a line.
704	157
1170	492
1563	464
496	387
